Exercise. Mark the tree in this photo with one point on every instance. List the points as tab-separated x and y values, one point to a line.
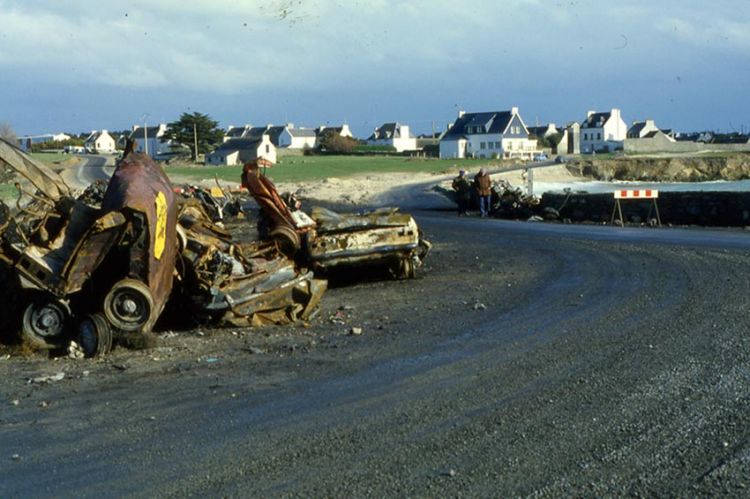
332	142
7	133
195	128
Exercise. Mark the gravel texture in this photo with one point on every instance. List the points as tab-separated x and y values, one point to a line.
521	362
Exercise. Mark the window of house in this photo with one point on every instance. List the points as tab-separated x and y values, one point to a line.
482	145
598	136
585	136
268	148
497	145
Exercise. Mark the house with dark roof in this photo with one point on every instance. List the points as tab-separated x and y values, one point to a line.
239	151
151	140
394	135
342	131
639	129
603	131
100	142
494	134
236	132
297	138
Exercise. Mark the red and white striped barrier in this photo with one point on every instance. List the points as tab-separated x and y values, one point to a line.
637	194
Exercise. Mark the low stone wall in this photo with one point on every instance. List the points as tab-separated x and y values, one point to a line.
657	144
723	209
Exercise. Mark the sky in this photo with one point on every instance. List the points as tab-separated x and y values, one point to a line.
76	66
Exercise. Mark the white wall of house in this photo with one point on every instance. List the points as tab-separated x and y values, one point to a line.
403	141
345	132
103	143
484	145
291	141
267	150
155	145
610	136
648	127
222	158
453	149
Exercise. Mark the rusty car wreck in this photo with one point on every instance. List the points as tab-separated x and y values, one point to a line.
107	263
326	240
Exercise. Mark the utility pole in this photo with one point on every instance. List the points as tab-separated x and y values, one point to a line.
195	141
145	134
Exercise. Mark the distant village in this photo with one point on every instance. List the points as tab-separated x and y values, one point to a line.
490	135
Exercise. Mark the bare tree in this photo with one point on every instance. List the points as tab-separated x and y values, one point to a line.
7	133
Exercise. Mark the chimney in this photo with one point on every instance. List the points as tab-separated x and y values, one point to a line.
589	113
615	113
514	110
461	113
290	125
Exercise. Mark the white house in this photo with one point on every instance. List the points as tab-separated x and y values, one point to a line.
494	134
240	151
236	132
640	129
342	130
100	142
603	132
26	141
151	140
297	138
395	135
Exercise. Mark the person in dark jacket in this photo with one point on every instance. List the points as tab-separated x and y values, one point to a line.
483	186
463	192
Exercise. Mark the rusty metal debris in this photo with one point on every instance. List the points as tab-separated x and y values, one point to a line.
87	272
92	268
326	240
240	284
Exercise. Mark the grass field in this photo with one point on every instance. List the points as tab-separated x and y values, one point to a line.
309	168
8	192
50	157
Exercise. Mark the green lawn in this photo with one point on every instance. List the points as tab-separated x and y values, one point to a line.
50	157
8	192
309	168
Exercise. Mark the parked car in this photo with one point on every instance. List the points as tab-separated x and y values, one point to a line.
560	159
541	157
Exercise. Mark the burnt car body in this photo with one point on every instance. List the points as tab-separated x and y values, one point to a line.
239	284
90	272
326	240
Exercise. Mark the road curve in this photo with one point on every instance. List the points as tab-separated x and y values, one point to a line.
527	359
89	169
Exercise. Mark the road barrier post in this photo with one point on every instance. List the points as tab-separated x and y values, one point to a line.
652	194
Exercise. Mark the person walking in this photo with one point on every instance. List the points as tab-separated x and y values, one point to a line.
483	186
463	192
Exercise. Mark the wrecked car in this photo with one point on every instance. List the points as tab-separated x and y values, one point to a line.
326	240
107	263
88	272
249	284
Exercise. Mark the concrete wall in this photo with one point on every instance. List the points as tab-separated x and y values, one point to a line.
724	209
660	144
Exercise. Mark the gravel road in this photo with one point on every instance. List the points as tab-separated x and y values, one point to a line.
525	360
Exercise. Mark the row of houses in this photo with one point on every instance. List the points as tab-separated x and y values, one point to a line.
489	134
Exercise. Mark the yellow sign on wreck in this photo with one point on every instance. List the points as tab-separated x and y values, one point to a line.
161	225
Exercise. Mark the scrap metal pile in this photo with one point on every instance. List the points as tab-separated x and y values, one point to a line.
85	270
506	201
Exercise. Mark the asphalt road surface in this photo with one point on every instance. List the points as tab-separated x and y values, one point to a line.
525	359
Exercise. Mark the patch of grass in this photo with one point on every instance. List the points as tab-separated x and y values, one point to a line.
50	157
8	192
310	168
